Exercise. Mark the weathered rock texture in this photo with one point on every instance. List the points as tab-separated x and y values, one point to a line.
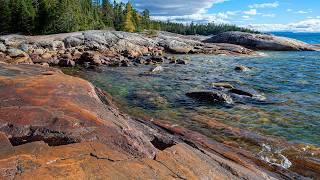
109	47
260	41
60	127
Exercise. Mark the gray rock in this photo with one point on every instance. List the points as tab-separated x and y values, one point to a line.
3	48
73	41
13	52
260	41
211	96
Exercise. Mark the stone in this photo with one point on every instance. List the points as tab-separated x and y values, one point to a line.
240	92
223	85
92	57
44	64
13	52
211	96
241	68
260	41
3	48
157	69
66	63
181	61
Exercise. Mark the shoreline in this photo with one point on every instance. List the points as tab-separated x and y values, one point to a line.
151	143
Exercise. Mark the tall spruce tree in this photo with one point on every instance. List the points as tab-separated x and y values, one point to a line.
128	20
5	17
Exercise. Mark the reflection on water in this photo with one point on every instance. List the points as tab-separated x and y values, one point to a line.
288	80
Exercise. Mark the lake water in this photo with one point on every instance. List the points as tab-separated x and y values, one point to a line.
290	82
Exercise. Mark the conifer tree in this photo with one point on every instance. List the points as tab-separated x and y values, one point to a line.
5	16
128	24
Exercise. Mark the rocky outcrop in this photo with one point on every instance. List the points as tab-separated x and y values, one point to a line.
106	47
260	41
61	127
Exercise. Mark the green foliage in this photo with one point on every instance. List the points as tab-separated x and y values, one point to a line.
4	16
197	29
58	16
128	19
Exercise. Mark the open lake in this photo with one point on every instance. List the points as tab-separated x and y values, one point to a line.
287	84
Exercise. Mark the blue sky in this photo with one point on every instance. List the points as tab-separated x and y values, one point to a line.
263	15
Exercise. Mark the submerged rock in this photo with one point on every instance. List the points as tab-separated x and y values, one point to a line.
149	99
211	96
223	85
241	68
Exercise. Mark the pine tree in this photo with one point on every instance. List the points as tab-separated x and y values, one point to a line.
4	16
128	24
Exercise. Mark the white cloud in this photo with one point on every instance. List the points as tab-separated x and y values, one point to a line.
289	10
269	15
309	25
264	5
302	12
251	12
174	7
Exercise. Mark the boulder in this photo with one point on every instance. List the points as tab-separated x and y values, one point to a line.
3	48
66	63
241	68
182	61
90	56
260	41
13	52
211	96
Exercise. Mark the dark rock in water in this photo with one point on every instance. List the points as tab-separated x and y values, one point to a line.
240	92
125	63
182	61
242	68
66	63
211	96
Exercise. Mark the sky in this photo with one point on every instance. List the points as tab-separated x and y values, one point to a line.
262	15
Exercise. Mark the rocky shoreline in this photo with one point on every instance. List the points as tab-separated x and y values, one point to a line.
57	126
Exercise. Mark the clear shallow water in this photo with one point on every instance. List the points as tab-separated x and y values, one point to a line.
289	81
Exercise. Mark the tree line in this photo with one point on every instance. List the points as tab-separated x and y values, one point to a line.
59	16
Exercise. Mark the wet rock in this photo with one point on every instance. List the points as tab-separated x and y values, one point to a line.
241	68
66	63
260	41
240	92
182	61
149	99
125	63
157	69
223	85
211	96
